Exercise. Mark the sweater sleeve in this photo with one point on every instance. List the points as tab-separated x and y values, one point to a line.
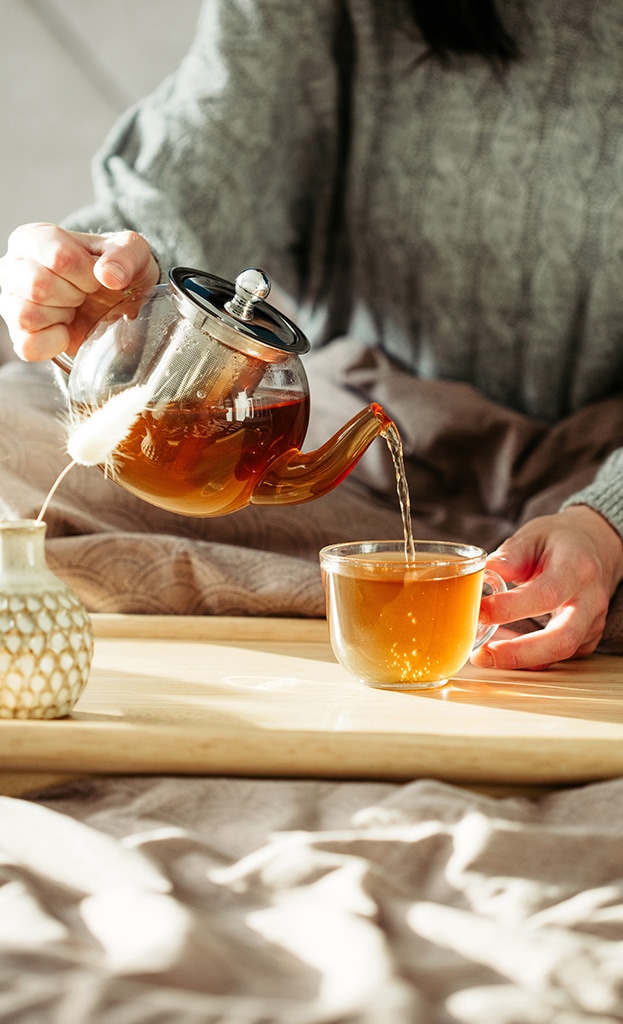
233	160
605	492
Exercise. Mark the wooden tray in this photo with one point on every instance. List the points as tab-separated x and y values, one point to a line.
266	697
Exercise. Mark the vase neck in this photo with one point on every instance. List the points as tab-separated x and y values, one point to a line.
22	544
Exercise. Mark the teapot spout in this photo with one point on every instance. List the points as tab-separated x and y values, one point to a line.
295	477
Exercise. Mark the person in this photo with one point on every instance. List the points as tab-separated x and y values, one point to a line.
439	180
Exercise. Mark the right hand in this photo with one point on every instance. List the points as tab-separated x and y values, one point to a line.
56	284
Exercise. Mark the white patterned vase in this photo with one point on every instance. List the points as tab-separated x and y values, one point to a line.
46	636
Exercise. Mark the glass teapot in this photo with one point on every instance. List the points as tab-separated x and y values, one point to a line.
229	398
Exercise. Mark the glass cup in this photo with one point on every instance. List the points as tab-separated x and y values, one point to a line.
402	625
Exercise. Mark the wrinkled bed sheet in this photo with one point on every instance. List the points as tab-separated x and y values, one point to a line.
196	901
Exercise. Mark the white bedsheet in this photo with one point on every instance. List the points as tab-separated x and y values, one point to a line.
195	900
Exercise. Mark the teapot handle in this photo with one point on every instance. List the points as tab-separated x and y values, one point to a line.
64	362
130	295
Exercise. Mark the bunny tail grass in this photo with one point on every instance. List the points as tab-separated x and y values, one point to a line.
93	437
52	491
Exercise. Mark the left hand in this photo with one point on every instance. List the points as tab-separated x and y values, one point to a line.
567	565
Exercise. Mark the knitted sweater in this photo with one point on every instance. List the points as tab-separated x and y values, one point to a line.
466	220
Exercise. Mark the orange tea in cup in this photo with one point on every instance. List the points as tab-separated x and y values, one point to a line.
399	624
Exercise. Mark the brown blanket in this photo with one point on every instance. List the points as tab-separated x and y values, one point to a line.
475	470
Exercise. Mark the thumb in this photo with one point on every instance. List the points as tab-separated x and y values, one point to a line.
125	259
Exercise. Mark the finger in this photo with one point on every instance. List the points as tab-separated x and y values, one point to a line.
43	344
518	654
588	648
564	636
32	281
509	569
24	317
562	574
516	560
125	259
65	253
540	596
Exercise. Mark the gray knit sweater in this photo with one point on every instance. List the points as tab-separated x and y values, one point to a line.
469	222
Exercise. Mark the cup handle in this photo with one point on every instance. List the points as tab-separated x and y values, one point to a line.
493	584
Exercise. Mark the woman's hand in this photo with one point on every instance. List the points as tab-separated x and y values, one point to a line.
566	565
56	284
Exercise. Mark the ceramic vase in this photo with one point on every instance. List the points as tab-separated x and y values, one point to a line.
46	636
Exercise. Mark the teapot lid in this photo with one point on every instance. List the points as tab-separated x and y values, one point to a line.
236	314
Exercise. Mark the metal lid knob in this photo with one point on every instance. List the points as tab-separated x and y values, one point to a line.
251	286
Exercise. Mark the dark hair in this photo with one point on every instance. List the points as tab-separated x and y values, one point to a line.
464	27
